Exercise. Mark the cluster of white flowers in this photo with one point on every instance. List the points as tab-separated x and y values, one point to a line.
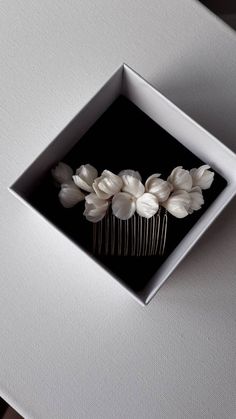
180	194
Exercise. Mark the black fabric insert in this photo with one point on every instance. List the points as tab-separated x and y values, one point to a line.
124	138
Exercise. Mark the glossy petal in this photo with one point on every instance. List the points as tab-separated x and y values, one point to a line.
70	195
98	191
147	205
130	172
123	205
202	176
107	184
132	185
180	179
110	183
196	199
85	176
93	199
178	203
158	187
95	208
62	173
94	215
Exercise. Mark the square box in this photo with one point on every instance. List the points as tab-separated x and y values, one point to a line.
129	124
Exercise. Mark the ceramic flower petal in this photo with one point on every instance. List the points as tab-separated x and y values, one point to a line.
130	172
70	195
158	187
202	176
93	199
110	183
123	205
62	173
132	185
107	184
196	199
178	203
94	215
95	208
84	177
180	179
98	191
147	205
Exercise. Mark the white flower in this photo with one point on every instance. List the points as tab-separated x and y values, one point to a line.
107	184
132	185
147	205
196	199
70	195
180	179
178	203
130	172
158	187
62	173
84	177
123	205
95	208
202	176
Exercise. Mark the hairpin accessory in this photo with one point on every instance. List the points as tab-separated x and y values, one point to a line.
130	217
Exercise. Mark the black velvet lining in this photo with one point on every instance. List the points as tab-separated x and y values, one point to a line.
124	138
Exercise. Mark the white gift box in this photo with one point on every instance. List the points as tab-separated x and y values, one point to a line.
187	132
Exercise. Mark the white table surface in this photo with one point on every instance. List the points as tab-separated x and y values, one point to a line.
73	343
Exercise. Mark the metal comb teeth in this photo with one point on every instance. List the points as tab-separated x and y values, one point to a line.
137	236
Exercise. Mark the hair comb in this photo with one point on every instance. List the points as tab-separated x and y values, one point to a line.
129	217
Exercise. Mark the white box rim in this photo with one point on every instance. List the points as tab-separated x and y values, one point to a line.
120	83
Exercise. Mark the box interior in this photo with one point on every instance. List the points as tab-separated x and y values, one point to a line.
124	137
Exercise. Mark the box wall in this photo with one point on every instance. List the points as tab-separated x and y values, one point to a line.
70	135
